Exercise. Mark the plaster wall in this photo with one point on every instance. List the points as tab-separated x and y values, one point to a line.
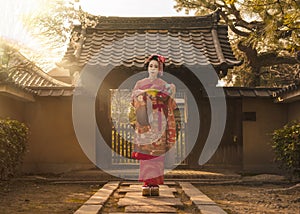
257	152
53	147
294	111
11	108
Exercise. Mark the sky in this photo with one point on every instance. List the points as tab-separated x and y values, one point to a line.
12	11
11	26
136	8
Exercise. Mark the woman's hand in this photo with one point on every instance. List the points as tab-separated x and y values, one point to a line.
140	98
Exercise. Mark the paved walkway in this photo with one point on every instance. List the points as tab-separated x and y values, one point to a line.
125	197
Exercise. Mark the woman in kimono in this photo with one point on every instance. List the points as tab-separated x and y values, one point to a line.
154	123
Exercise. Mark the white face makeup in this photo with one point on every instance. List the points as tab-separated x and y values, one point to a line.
153	69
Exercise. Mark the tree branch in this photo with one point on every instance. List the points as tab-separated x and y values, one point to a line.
269	59
252	26
232	26
250	52
265	59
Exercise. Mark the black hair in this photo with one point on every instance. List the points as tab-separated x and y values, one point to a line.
154	57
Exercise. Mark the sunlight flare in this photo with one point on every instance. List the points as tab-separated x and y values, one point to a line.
14	15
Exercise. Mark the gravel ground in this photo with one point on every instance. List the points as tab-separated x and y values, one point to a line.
256	198
19	196
43	195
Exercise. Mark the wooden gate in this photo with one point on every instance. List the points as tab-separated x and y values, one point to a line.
123	133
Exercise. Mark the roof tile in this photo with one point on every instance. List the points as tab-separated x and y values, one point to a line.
27	75
128	41
248	93
232	93
263	93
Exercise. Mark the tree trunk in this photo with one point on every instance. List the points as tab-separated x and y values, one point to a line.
255	80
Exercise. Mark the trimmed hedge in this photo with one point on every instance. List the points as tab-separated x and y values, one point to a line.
13	142
286	145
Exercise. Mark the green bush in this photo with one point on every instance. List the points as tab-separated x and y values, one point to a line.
286	145
13	142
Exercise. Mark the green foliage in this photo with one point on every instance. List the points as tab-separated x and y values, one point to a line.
13	142
266	24
267	33
286	145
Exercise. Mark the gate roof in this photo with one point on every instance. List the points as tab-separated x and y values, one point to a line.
128	41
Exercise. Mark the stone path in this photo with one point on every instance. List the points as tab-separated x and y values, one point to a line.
95	203
125	197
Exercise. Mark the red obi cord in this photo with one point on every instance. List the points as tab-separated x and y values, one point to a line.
141	156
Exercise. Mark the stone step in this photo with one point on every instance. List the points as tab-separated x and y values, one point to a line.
144	201
131	200
152	208
203	203
96	201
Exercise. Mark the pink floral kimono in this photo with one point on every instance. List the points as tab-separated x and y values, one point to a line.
155	127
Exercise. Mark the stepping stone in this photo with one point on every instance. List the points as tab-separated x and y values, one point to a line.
136	190
211	209
128	189
169	183
162	193
95	203
138	187
128	183
196	195
89	209
203	203
142	201
148	213
152	208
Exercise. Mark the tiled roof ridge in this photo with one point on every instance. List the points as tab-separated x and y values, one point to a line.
288	88
38	71
171	22
12	83
27	76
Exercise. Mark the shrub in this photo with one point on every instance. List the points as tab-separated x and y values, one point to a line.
286	145
13	142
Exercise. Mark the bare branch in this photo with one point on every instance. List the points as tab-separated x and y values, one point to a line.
270	59
232	26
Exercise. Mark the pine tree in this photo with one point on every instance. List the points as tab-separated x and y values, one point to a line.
266	35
